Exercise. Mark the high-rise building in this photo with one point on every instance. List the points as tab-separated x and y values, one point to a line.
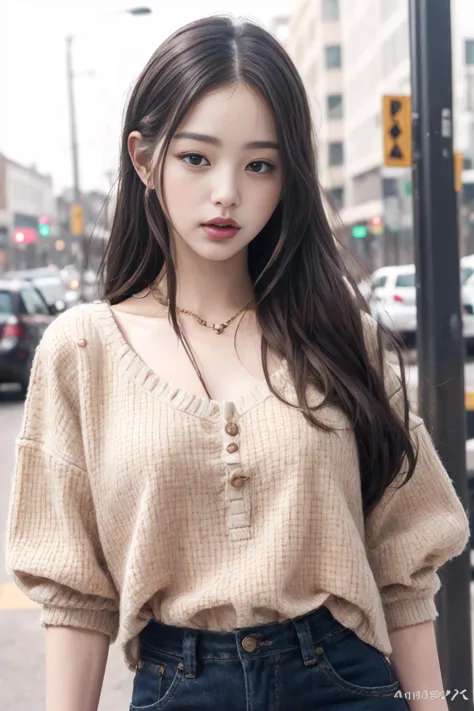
314	41
357	52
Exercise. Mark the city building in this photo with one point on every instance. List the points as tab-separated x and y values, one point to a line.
35	226
349	55
314	42
26	202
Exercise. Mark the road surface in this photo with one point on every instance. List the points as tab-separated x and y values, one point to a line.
21	637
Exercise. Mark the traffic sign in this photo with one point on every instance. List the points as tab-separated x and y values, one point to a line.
25	235
397	131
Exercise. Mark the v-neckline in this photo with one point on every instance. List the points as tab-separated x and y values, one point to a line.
135	367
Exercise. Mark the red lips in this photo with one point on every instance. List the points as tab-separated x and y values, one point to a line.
223	222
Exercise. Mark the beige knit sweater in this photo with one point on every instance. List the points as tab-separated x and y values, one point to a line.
132	498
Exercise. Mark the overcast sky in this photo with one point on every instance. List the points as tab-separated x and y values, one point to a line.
34	120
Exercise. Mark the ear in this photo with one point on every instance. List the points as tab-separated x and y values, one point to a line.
139	154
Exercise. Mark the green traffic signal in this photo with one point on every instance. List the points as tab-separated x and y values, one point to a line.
44	230
359	231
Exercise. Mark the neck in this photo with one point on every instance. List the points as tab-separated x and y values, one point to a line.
212	290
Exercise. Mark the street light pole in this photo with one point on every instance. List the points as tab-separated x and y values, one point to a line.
72	119
440	328
134	11
74	150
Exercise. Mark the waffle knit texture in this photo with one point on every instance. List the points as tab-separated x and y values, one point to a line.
124	504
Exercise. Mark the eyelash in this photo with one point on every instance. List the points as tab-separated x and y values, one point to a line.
270	166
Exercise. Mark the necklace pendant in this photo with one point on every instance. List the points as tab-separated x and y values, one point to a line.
218	327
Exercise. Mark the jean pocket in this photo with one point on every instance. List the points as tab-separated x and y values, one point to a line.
355	666
156	682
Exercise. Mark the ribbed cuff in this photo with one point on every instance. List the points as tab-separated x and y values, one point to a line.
103	621
404	613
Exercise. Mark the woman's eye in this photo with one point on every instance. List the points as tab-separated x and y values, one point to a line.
194	159
260	166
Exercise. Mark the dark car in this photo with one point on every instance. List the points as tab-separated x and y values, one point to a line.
49	283
24	316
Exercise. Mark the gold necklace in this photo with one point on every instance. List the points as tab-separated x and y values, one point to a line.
216	327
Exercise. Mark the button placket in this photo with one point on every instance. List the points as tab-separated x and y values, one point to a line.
237	490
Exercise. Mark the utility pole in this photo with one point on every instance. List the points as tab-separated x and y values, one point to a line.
75	162
440	332
77	211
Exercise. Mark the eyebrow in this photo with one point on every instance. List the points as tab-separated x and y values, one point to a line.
217	142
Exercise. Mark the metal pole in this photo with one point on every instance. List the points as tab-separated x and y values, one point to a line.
439	336
74	153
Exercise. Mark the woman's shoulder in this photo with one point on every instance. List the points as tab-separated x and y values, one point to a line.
77	327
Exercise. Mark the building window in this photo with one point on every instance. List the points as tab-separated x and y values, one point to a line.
337	197
330	9
335	106
470	51
333	56
336	154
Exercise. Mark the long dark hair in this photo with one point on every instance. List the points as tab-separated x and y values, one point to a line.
308	307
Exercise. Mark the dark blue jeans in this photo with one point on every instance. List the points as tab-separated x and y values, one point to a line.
312	663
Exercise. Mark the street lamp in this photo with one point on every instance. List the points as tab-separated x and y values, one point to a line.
136	12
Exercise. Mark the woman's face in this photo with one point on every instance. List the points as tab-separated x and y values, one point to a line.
223	164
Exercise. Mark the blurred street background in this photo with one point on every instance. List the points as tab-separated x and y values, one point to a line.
66	69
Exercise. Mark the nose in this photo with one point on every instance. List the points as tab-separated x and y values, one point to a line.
225	189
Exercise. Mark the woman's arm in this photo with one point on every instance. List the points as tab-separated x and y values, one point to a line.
54	548
75	667
416	663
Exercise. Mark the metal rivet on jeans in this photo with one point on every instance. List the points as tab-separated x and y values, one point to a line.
249	643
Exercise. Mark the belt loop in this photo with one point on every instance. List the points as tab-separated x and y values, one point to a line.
189	654
305	637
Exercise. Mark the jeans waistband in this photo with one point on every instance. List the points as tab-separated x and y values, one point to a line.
250	642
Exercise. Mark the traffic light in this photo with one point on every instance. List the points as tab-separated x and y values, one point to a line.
397	131
359	231
77	220
376	225
44	228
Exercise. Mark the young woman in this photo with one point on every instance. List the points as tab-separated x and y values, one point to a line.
216	466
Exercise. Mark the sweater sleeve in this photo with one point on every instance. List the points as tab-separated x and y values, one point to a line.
415	529
53	546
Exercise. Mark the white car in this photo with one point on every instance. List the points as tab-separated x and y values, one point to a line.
467	268
393	302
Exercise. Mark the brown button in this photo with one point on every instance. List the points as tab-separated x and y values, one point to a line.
82	343
231	429
238	480
232	447
249	643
